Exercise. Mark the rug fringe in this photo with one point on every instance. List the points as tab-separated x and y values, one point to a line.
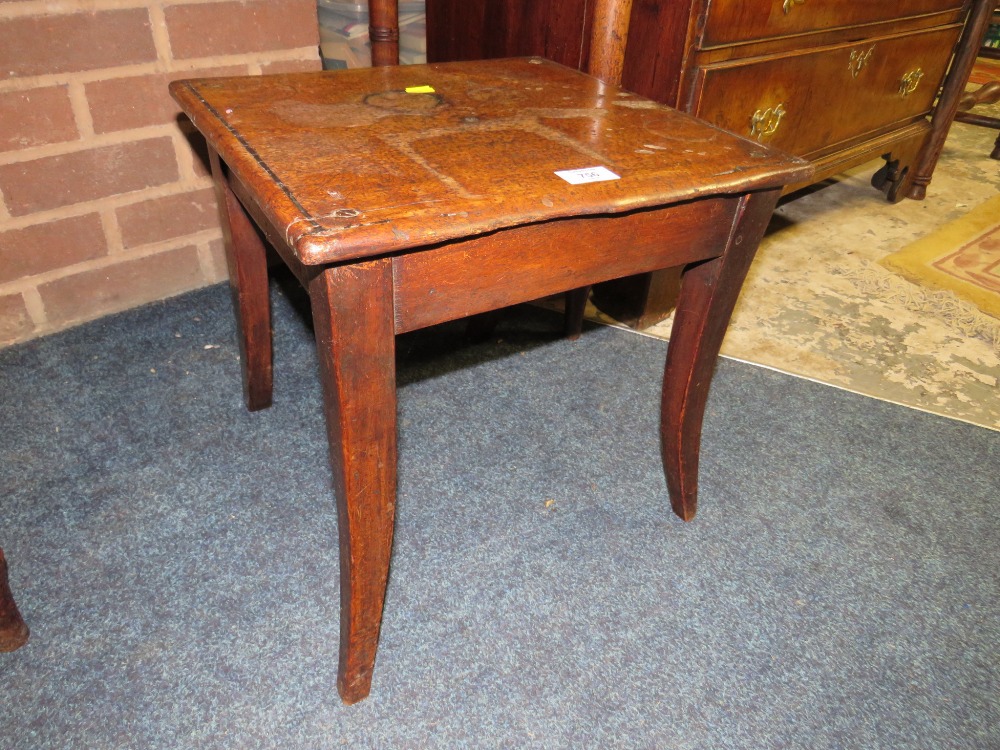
963	316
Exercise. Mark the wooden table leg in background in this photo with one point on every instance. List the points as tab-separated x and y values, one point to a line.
709	290
13	631
246	257
355	337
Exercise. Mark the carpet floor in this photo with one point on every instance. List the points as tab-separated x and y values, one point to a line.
175	556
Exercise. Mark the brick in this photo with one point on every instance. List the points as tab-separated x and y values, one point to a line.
217	251
291	66
127	284
231	28
55	181
168	217
36	117
214	262
46	247
15	323
66	43
138	101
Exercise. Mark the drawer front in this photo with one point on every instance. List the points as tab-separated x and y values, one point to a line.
804	103
732	21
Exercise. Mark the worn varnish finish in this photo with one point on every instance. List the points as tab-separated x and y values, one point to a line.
400	210
785	63
13	631
778	45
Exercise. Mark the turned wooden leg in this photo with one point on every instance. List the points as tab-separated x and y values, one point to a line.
576	306
13	631
704	306
951	94
353	318
246	256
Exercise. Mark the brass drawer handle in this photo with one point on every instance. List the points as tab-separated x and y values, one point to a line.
859	59
765	122
789	4
910	82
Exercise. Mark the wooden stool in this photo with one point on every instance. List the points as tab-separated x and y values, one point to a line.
403	197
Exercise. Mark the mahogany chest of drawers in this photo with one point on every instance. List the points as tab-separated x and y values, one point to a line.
839	82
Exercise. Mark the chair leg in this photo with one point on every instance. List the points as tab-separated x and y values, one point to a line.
13	631
576	306
708	294
353	319
246	256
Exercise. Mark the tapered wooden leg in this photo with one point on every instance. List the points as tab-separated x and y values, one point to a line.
13	631
576	306
248	282
704	306
353	318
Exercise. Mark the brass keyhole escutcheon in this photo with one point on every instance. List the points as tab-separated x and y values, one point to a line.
910	81
765	122
789	4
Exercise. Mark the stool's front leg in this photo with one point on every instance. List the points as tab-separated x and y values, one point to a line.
247	261
708	294
353	317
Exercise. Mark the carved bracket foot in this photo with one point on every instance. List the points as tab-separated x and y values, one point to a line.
891	178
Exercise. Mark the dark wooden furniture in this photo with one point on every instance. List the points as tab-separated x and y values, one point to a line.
839	82
988	93
13	631
399	207
836	81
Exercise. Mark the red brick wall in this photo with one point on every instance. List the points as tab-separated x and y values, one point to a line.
104	205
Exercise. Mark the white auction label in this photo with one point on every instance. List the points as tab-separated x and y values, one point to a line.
587	174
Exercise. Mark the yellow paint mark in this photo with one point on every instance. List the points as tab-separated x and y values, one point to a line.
419	89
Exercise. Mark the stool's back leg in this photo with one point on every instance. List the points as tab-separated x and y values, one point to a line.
704	306
353	317
248	281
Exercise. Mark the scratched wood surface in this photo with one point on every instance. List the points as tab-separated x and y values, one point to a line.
348	164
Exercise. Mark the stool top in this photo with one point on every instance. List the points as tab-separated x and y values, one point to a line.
357	163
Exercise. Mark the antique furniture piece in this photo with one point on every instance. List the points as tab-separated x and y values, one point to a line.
839	82
836	81
402	197
13	631
988	93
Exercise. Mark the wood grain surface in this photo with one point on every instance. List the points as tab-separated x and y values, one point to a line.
348	161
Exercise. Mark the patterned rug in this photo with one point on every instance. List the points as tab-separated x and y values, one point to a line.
985	71
962	257
818	304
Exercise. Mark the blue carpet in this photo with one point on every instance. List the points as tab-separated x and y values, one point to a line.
175	556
